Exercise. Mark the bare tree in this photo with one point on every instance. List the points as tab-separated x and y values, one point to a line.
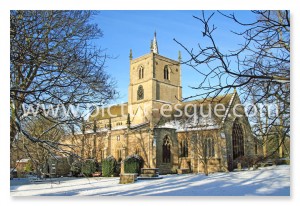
259	68
271	135
203	148
38	154
54	65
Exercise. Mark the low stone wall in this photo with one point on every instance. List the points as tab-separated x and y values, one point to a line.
184	165
183	171
213	165
149	172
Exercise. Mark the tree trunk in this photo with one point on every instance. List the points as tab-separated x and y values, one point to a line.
265	146
206	170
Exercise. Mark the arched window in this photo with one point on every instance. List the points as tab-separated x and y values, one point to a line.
166	149
237	140
140	93
184	148
141	72
166	72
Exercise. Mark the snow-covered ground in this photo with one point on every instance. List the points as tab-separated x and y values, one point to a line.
273	181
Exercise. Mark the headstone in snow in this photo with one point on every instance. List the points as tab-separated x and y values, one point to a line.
239	166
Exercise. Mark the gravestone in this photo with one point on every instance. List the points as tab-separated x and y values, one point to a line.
128	178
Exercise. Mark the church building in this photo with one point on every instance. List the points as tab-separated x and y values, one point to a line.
173	143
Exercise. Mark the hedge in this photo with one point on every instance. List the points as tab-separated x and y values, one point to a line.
76	168
109	166
88	167
133	164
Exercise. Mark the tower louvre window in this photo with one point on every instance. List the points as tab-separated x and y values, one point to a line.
166	72
141	72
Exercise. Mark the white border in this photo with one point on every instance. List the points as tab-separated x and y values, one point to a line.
5	6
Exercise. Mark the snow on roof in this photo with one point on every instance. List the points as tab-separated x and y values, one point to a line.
90	131
102	130
201	123
197	122
119	127
23	160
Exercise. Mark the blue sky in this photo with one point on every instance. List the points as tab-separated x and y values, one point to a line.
125	30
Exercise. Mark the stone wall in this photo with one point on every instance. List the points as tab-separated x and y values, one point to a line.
214	165
195	152
168	90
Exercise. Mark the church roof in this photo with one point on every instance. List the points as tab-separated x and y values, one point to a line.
200	122
223	99
115	110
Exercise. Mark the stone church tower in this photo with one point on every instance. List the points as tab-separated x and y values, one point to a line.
154	80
